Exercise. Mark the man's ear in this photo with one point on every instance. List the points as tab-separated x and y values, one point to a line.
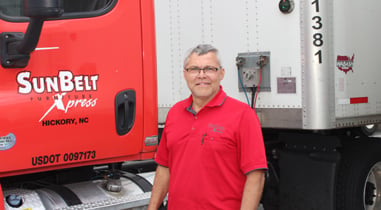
222	73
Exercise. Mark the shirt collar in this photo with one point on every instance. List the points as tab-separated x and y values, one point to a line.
218	100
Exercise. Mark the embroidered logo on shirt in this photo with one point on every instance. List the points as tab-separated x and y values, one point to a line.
216	128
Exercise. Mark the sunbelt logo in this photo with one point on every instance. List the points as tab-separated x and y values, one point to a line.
65	81
65	90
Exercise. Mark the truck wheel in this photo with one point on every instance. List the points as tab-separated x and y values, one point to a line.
359	178
370	129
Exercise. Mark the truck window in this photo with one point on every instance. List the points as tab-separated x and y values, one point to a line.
12	10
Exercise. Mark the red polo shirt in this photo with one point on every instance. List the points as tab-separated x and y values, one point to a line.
209	153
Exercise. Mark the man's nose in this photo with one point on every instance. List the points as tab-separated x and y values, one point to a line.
201	73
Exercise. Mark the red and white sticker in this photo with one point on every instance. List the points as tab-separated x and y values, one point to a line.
358	100
345	63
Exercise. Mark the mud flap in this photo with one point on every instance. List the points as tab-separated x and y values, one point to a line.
308	167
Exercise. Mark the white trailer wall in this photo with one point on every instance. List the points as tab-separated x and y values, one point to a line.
320	99
357	35
233	27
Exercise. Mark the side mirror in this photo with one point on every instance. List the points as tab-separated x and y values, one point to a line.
43	8
15	47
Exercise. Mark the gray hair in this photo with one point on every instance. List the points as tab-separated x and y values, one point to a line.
201	49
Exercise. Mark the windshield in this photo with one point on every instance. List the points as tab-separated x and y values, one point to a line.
12	10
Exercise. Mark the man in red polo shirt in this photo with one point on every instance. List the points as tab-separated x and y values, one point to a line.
211	154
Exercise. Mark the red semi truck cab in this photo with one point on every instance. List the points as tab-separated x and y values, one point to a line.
86	95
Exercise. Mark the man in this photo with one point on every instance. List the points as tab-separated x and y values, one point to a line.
211	154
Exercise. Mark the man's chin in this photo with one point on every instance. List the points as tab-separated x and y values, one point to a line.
204	95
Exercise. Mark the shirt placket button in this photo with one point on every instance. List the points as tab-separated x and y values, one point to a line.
195	117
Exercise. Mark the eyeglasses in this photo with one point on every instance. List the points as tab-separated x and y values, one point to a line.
195	70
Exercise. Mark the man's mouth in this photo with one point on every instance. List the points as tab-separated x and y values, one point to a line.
202	83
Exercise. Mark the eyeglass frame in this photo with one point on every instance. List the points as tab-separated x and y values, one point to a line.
207	70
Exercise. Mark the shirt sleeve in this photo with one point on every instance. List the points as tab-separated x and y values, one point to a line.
251	145
162	151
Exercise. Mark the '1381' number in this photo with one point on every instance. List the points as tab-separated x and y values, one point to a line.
317	26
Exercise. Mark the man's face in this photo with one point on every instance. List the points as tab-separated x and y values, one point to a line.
204	85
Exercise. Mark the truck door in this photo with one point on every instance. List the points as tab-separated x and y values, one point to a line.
79	99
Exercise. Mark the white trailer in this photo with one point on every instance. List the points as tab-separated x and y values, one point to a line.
317	86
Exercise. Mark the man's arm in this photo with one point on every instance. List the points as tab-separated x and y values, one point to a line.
160	187
252	191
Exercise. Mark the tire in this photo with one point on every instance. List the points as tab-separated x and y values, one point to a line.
370	129
359	177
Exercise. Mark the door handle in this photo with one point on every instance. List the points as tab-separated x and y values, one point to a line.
125	105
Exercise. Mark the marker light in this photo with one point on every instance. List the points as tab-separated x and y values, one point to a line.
286	6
